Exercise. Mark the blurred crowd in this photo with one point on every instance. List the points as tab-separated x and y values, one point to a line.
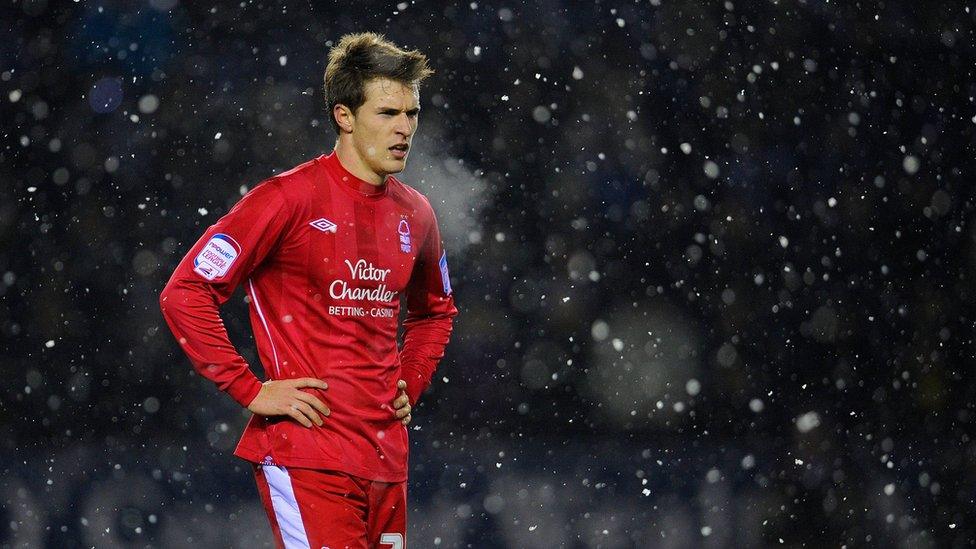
714	262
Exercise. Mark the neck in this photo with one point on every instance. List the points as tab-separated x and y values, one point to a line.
351	160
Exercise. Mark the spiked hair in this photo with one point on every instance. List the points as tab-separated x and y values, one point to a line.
361	57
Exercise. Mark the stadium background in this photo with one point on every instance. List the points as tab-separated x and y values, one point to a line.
714	263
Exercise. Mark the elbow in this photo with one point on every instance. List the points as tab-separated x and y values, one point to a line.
167	298
448	316
164	301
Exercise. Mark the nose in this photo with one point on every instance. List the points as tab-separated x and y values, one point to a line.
404	125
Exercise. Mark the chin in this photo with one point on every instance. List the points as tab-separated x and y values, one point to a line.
395	166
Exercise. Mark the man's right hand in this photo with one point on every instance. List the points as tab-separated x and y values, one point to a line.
285	397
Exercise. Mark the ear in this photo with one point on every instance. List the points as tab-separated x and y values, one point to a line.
344	117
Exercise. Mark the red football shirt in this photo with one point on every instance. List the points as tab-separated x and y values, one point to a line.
324	257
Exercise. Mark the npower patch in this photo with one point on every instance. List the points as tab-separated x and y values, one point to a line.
216	257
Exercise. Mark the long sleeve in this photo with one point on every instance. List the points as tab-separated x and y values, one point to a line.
207	276
430	314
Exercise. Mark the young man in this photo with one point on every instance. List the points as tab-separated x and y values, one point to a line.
324	252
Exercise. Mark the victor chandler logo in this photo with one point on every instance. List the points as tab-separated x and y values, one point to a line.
363	271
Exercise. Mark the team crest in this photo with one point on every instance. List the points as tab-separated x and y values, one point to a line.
404	231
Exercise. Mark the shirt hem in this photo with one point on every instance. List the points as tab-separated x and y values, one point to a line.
255	456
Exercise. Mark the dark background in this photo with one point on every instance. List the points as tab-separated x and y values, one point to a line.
714	263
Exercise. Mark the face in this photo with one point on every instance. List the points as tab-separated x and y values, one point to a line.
381	129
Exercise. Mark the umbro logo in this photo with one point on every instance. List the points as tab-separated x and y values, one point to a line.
324	225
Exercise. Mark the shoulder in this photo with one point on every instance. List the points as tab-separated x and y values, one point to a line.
282	194
410	198
295	182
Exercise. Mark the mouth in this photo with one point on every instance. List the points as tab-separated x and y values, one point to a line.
399	151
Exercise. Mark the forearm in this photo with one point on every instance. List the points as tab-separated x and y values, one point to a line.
423	347
192	314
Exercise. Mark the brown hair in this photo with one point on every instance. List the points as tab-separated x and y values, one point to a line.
360	57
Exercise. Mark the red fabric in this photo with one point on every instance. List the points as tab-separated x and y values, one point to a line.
341	511
323	304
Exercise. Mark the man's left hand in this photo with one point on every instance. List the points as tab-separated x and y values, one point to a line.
401	405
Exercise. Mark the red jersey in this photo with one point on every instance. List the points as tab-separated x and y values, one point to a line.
324	257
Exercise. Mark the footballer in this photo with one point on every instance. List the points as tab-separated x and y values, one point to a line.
325	252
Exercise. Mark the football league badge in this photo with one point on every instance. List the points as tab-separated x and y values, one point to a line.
404	231
445	275
216	257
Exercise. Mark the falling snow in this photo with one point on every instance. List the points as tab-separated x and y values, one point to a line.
714	266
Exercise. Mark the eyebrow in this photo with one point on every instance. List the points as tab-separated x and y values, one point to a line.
393	110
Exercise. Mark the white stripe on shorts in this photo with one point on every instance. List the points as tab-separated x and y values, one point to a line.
286	507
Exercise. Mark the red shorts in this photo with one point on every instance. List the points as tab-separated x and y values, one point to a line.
310	508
